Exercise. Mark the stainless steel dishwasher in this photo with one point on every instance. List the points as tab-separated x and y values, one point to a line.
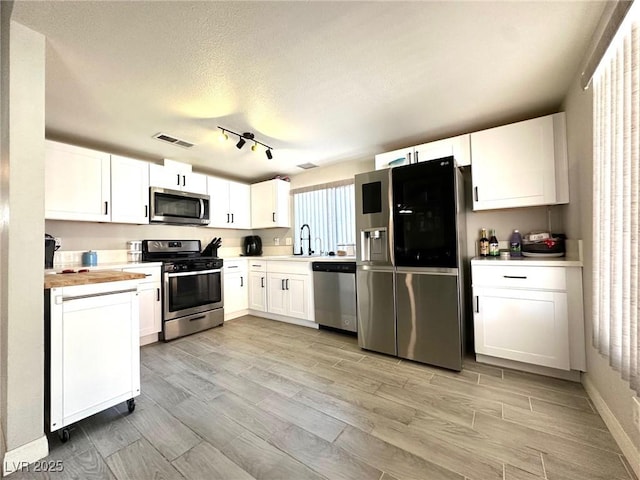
334	294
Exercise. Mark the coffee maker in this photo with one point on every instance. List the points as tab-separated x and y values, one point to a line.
49	249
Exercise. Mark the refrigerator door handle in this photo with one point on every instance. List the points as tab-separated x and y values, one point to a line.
477	303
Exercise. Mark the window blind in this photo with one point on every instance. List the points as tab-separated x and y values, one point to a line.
330	214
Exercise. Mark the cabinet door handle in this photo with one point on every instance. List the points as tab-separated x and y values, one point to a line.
515	276
184	180
282	285
477	304
475	193
178	175
416	156
157	294
232	220
409	157
273	216
287	284
242	281
106	208
262	282
146	211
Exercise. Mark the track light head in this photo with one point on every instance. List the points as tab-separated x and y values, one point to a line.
223	136
241	142
268	153
254	147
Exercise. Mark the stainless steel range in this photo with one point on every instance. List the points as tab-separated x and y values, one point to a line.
192	286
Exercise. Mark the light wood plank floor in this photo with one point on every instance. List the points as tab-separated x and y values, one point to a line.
267	400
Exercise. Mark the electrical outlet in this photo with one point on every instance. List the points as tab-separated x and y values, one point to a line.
636	412
276	241
287	241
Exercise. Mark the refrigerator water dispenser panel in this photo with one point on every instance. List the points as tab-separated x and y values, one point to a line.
374	246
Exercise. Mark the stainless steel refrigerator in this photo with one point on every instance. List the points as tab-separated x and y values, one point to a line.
424	236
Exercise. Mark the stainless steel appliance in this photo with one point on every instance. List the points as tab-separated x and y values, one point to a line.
252	246
50	247
192	286
428	239
174	206
374	266
411	227
334	294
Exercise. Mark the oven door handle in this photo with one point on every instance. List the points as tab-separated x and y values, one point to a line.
186	274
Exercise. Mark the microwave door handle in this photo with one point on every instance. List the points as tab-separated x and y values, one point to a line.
201	208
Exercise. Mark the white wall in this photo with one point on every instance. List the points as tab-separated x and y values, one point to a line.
579	213
21	237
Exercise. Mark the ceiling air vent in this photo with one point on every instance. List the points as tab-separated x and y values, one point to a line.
173	140
307	166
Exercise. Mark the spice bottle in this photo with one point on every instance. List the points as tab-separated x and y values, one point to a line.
494	249
484	243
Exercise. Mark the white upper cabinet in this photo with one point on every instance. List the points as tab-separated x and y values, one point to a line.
270	204
520	165
230	205
129	190
77	183
403	156
457	147
175	179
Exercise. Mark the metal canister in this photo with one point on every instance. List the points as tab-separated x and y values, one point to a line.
89	259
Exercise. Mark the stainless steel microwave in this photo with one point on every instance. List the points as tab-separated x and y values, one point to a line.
176	207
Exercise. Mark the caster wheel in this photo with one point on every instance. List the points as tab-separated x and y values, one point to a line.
64	435
131	405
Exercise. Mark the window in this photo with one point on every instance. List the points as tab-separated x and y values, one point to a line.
329	210
616	191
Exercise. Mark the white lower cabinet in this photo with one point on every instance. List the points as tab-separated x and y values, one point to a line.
93	344
288	294
522	313
150	299
281	290
527	326
257	287
236	289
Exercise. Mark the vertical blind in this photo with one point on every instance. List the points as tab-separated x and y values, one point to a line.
330	214
616	191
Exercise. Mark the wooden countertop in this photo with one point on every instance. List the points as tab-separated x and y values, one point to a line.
85	278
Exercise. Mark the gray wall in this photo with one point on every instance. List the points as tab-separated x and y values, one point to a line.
21	232
579	213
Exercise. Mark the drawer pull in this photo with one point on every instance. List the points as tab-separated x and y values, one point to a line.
515	276
477	304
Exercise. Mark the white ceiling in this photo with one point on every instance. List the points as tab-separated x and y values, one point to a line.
319	81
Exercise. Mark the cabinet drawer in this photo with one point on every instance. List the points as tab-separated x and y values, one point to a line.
277	266
234	266
152	274
257	266
541	278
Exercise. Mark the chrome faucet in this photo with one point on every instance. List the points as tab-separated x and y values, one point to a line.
308	239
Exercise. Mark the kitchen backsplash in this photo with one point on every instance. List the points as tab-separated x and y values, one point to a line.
109	240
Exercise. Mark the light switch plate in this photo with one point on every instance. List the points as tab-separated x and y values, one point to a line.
276	240
287	241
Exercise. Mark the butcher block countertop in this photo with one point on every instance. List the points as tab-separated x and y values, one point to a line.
85	278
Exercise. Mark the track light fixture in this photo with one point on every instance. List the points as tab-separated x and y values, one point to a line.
242	139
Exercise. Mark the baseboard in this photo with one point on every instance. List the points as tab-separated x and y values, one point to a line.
236	314
618	433
147	339
19	458
284	318
571	375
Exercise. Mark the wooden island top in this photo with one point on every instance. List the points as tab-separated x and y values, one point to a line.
86	278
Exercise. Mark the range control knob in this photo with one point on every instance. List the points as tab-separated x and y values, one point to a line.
184	267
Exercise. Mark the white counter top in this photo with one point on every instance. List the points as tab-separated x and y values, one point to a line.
297	258
101	266
529	261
